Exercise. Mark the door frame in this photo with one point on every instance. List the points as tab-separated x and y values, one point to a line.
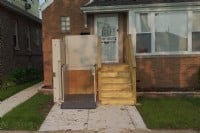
117	34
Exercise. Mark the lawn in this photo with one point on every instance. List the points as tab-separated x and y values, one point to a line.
28	115
170	112
11	90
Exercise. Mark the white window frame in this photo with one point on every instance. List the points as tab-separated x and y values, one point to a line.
38	37
66	21
191	28
189	11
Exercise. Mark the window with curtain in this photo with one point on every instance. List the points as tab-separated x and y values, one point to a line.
196	31
168	32
143	36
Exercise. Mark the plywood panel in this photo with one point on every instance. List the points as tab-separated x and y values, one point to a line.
79	82
81	51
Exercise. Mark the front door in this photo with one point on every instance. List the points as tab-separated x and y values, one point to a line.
107	26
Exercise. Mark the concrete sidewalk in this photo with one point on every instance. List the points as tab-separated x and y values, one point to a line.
133	131
22	96
108	119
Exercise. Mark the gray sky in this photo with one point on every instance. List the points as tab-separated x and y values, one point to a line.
41	1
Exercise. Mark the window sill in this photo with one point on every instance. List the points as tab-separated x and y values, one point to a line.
182	54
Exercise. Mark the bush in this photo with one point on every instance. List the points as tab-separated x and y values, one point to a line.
5	82
21	75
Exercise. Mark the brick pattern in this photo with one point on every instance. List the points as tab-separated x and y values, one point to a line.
153	73
51	28
165	73
11	58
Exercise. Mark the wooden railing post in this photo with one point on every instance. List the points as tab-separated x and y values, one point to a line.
99	52
99	62
130	59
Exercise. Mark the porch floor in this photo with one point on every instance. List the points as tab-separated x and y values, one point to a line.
79	101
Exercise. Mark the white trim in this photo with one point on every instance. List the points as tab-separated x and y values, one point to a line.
152	19
46	4
190	15
168	53
117	35
89	2
143	7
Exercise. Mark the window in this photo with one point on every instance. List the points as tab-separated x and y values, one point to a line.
65	24
38	37
171	32
143	39
196	31
15	36
28	40
0	31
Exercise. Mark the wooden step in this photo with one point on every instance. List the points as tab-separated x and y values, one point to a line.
116	87
118	101
116	74
115	68
116	94
115	80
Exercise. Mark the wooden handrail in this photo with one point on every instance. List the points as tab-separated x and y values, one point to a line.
99	52
130	59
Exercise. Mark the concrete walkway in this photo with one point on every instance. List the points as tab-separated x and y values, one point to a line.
13	101
104	119
133	131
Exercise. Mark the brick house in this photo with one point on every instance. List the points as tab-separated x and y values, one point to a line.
165	36
20	37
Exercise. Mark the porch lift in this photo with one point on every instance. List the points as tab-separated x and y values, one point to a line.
78	70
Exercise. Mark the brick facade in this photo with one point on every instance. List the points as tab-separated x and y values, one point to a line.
51	28
167	73
10	57
154	73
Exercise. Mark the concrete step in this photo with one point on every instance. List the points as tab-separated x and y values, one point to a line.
115	80
116	74
118	101
116	87
115	68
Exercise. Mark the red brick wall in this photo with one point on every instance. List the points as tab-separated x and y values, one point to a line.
164	73
153	73
51	28
11	58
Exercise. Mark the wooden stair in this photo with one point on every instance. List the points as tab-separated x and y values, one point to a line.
115	85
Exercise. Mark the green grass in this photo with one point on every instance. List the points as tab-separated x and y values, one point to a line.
170	112
29	115
11	90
